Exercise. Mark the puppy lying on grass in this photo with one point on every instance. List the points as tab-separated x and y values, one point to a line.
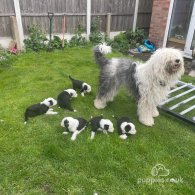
40	108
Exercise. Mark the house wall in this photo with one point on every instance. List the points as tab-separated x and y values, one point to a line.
158	23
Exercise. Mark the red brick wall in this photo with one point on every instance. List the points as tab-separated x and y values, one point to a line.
158	21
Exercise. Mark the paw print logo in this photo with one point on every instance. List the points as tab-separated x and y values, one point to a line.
159	170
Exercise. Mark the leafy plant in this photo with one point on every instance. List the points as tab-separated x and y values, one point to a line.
135	37
5	58
78	39
120	43
124	41
55	43
96	36
37	39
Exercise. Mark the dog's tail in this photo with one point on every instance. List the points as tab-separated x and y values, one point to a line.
99	52
71	78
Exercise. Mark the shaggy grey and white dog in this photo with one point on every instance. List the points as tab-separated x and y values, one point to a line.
149	83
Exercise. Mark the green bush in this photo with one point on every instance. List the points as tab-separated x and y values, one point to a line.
124	41
135	37
78	39
5	58
120	43
55	43
36	40
96	36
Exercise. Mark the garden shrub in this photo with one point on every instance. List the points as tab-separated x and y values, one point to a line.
78	39
36	40
126	40
55	43
95	36
5	58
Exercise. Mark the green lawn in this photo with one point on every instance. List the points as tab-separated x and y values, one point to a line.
38	159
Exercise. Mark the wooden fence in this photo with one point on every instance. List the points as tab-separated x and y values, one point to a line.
35	12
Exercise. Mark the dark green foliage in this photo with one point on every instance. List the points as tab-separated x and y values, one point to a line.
135	37
37	39
78	39
124	41
55	43
5	58
120	43
96	36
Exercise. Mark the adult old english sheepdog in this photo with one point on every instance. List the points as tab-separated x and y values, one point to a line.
149	83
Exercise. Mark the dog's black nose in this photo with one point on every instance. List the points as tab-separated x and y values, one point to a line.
177	61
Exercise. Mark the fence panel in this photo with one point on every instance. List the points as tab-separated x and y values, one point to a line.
35	12
6	10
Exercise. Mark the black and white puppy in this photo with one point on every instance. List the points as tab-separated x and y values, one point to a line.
73	125
64	99
82	86
40	108
125	127
100	124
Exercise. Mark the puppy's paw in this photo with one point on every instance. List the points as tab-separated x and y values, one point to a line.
82	94
123	136
65	133
73	138
74	110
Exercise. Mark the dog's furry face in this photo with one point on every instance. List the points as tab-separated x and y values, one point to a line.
104	49
49	102
72	92
107	125
168	61
128	128
86	87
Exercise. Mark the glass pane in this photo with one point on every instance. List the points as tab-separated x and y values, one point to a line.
180	19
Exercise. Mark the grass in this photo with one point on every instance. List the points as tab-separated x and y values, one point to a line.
38	159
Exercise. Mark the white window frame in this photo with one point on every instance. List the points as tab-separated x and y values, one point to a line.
187	52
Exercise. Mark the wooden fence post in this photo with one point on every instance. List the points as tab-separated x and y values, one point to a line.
135	14
108	24
88	18
19	24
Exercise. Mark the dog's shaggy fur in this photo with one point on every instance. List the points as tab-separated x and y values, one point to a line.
149	82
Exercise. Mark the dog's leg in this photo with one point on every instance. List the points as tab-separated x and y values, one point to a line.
65	133
99	104
155	112
107	90
50	112
144	113
92	134
74	135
